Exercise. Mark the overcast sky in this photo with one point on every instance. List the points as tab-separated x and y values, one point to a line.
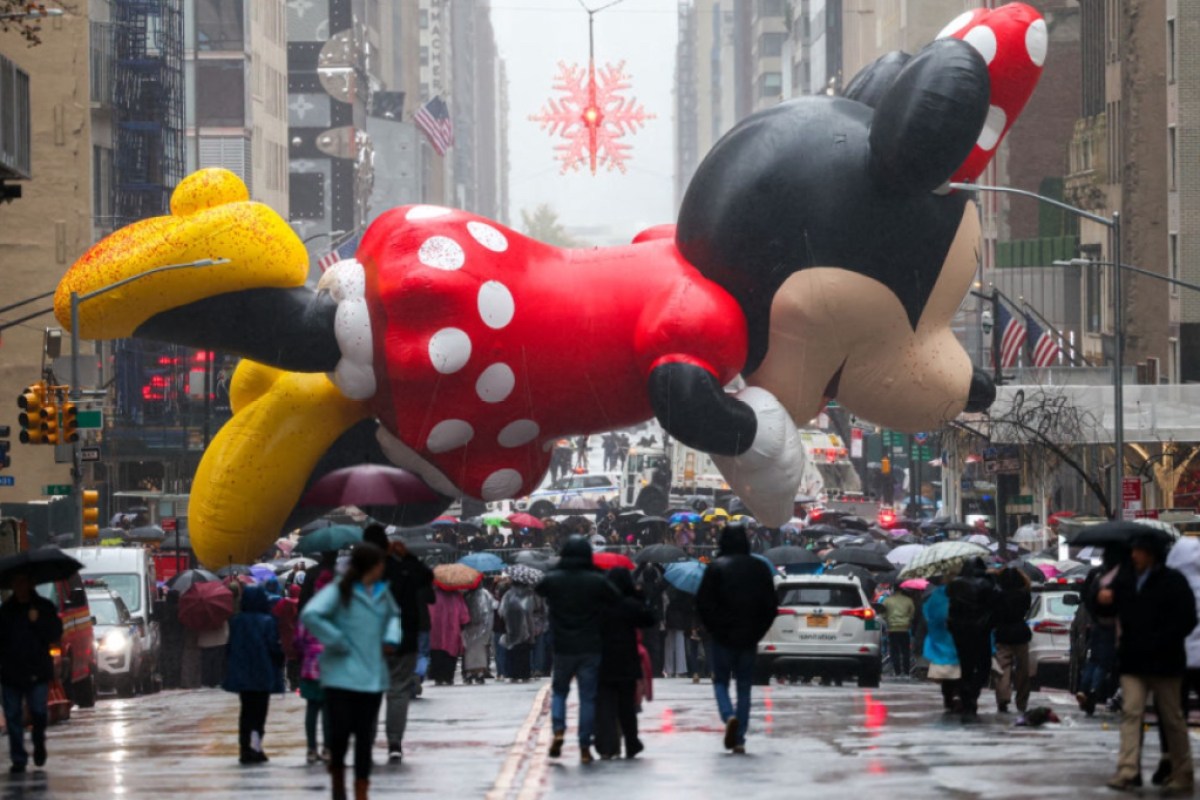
533	36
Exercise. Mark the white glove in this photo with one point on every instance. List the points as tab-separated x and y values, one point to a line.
767	475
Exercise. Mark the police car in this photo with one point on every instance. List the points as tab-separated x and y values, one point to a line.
574	492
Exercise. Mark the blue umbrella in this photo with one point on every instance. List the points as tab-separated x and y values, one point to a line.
683	516
686	576
484	562
262	572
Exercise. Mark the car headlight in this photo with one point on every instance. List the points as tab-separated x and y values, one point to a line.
114	642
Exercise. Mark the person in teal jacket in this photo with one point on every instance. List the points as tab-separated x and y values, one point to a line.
357	620
939	646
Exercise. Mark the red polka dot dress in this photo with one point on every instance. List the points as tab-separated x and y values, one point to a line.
478	347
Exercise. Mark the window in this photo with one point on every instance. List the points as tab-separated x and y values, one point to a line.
1173	262
220	25
1171	51
102	186
1172	160
423	19
770	84
220	94
1092	281
820	595
105	610
127	585
771	44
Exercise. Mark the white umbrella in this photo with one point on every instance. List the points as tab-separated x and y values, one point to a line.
905	553
981	539
940	558
1031	533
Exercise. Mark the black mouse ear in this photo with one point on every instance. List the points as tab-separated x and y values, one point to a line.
873	80
930	117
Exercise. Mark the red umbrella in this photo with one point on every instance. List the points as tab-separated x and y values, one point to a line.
606	560
206	606
525	521
368	485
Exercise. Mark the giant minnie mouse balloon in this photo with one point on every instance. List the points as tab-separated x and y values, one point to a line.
817	254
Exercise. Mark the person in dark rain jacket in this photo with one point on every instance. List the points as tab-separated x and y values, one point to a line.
29	625
254	669
620	669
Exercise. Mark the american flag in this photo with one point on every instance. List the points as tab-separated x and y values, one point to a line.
1043	349
1012	334
342	251
433	119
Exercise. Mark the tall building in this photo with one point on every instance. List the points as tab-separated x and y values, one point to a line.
1183	198
768	31
476	99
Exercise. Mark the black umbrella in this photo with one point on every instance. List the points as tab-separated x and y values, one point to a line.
652	521
818	531
538	559
432	552
146	533
854	571
1030	571
234	570
861	557
855	524
183	581
1116	532
945	524
661	554
45	565
784	556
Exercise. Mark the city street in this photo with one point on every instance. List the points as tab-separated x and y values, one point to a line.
490	742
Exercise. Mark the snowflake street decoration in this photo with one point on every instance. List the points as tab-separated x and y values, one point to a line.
592	117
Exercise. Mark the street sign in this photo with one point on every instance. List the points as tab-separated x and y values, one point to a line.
7	480
56	489
90	420
856	443
920	438
89	454
1131	491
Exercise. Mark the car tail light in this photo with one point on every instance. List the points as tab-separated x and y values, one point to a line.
861	613
1049	626
815	515
55	652
786	612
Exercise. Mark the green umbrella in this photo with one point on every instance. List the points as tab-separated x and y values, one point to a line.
495	522
334	537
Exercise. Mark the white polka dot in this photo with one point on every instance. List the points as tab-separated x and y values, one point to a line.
1037	40
449	350
515	434
501	484
993	128
983	39
426	212
442	252
495	383
487	236
496	305
957	25
448	435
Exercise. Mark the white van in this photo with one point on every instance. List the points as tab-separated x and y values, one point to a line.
129	571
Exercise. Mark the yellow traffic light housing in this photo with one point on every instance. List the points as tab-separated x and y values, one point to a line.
32	403
885	466
90	500
70	423
50	424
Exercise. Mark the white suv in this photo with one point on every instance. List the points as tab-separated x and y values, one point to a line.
826	628
574	492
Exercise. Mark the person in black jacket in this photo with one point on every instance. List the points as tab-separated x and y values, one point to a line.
973	600
620	669
578	597
1012	639
737	604
29	625
411	583
1156	611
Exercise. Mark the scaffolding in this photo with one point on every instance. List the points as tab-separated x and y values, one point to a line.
148	106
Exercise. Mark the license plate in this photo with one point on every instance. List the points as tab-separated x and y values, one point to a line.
818	621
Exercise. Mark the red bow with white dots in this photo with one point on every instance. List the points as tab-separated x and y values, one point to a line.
1012	40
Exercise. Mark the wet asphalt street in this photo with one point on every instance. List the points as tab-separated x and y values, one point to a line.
490	742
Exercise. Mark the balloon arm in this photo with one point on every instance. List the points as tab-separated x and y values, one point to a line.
292	329
692	406
767	475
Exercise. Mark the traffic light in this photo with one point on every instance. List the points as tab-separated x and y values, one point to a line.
32	403
885	465
5	444
90	498
50	423
70	423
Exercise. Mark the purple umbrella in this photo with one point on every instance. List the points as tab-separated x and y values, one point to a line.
262	572
368	485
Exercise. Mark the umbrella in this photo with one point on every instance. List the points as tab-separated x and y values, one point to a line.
792	555
307	563
146	533
855	524
661	554
183	581
1116	532
177	541
652	521
525	521
863	575
915	584
494	521
981	539
334	537
943	557
205	606
904	554
456	577
822	530
859	557
235	571
524	574
262	572
45	565
608	560
686	577
538	559
716	513
1030	571
944	524
684	516
1031	533
765	560
316	525
368	485
431	552
484	562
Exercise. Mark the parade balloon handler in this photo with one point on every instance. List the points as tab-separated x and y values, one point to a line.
817	254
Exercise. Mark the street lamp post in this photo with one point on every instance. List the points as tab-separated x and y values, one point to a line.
1114	226
76	393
